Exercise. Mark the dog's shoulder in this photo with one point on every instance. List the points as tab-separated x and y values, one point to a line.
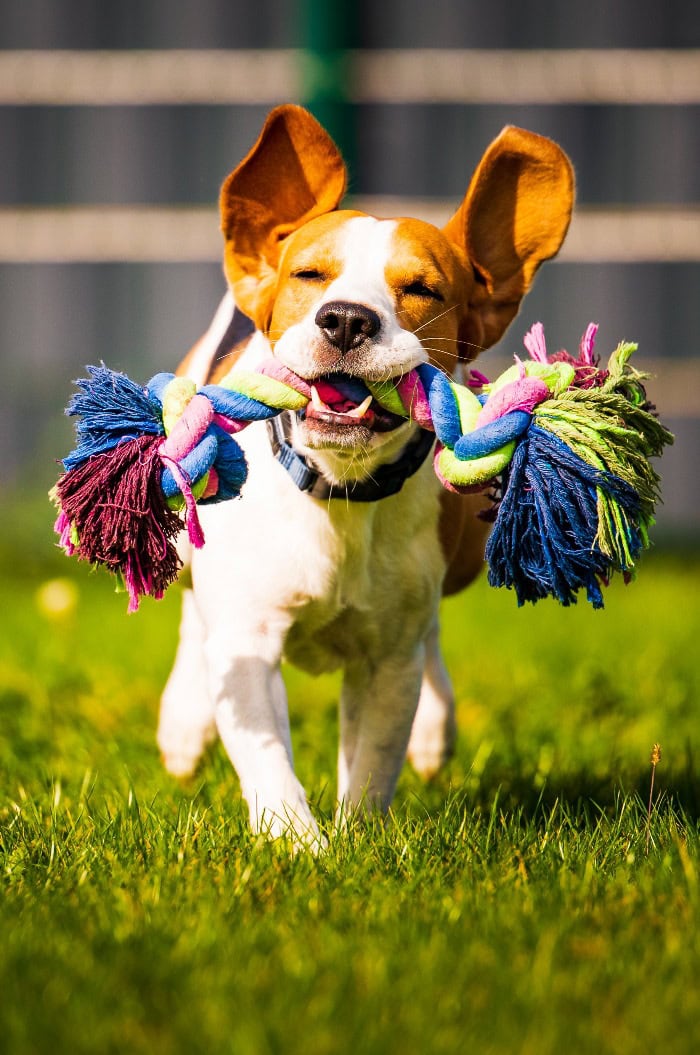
463	537
220	347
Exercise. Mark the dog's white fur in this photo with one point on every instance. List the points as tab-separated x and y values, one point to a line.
325	584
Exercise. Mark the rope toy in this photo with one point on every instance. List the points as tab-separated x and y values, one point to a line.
562	445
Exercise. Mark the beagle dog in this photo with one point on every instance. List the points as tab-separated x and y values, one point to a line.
343	541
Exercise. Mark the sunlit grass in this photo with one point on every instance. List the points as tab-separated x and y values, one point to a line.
509	907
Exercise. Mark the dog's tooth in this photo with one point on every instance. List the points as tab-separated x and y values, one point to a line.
360	410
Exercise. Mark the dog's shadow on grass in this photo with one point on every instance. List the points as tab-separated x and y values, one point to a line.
578	792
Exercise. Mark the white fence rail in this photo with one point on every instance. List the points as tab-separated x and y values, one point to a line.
189	234
226	77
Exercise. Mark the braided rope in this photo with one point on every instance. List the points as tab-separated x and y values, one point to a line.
583	478
475	438
476	435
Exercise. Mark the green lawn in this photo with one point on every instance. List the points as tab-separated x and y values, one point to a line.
510	907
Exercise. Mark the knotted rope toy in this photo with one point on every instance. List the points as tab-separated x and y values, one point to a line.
562	445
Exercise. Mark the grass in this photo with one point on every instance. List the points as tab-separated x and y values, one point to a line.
508	907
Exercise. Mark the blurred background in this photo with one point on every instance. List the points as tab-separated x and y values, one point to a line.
118	123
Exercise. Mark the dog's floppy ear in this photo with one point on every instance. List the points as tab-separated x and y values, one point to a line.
293	173
514	216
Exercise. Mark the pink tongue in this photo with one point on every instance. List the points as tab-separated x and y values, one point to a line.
333	399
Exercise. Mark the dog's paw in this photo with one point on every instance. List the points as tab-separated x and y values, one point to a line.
287	818
293	837
181	766
182	748
432	740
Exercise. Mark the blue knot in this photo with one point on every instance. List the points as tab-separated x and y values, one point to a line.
443	404
493	436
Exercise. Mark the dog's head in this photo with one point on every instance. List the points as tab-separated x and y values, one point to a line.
344	295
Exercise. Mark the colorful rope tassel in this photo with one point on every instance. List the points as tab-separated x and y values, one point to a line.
563	446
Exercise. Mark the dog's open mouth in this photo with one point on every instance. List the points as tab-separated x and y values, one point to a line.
343	401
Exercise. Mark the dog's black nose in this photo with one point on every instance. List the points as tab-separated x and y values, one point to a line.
347	325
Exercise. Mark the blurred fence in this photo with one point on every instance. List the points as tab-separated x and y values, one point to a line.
109	245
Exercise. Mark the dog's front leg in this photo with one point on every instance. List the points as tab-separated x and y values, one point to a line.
377	708
186	723
434	728
252	719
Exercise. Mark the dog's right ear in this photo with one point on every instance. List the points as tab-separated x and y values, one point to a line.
515	215
293	173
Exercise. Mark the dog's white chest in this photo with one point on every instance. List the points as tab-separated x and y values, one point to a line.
375	587
344	607
341	581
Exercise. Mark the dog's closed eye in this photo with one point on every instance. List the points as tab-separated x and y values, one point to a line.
309	274
417	288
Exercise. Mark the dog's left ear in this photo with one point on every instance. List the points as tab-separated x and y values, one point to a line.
514	216
293	173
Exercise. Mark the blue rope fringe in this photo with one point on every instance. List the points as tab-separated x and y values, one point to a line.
543	540
111	409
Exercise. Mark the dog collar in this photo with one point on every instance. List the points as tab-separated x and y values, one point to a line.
386	480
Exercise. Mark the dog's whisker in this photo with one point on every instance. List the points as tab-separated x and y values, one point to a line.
477	349
429	322
444	353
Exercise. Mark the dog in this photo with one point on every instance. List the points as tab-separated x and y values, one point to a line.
343	542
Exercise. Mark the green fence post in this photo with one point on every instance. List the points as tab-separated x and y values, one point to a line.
327	36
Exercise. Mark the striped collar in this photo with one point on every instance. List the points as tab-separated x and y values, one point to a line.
385	480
